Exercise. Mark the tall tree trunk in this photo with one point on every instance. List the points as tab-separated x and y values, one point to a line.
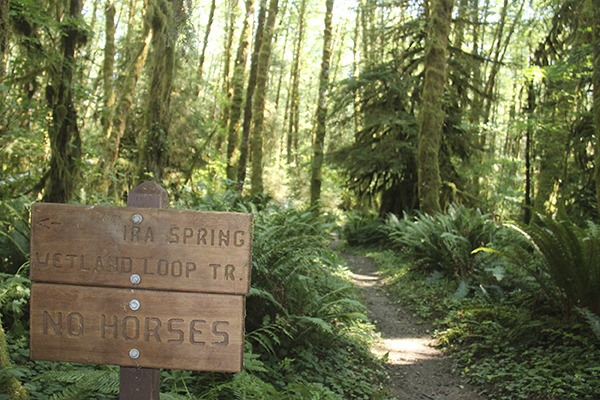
211	17
9	383
237	88
528	207
431	117
595	10
293	117
227	51
108	68
125	88
4	35
167	16
65	142
320	129
264	56
252	79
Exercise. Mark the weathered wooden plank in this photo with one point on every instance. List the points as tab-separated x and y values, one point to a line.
174	330
190	251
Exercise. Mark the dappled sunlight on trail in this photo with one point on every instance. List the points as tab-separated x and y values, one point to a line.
416	367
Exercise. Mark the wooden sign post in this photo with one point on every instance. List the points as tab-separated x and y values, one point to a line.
140	287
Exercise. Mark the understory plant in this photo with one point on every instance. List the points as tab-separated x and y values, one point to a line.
444	242
532	335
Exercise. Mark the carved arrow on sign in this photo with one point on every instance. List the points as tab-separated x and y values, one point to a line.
46	223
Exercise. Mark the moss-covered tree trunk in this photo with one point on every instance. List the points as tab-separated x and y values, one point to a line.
264	57
431	117
211	17
237	89
63	132
9	385
595	13
316	178
4	35
251	88
165	19
108	67
294	98
125	88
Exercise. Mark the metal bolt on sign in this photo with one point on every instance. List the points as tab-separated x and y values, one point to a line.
135	279
137	218
134	305
134	353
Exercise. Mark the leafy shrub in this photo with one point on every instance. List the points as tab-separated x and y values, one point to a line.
301	311
365	230
444	242
14	235
568	267
514	354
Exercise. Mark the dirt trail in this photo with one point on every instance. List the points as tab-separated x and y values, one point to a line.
417	369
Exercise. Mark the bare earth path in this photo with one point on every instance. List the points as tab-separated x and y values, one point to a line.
416	368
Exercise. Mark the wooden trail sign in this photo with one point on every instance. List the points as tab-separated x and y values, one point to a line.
94	325
143	288
189	251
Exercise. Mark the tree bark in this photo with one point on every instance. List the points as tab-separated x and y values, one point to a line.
211	17
125	89
237	88
595	10
108	68
166	19
264	57
320	129
293	109
4	35
65	141
431	117
252	79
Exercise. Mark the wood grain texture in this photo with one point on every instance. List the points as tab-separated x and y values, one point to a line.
174	330
189	251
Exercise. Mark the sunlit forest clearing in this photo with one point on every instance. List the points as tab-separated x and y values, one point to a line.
454	142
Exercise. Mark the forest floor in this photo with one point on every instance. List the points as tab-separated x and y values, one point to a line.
417	369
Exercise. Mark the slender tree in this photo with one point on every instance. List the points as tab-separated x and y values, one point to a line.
167	17
595	22
237	88
65	140
320	128
250	89
130	72
4	35
211	18
108	67
431	117
264	58
294	98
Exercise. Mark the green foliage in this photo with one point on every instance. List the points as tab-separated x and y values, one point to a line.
514	354
302	312
14	234
382	159
569	267
364	230
444	242
513	345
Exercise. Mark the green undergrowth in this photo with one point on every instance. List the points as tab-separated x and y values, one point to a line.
307	336
510	343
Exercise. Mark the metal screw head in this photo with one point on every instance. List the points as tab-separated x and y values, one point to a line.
137	218
134	353
134	305
135	279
